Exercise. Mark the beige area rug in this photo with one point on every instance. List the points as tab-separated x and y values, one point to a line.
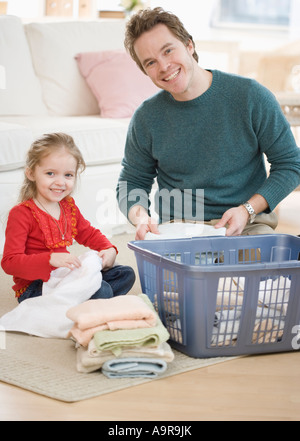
48	366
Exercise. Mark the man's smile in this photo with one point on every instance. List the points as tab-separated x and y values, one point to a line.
172	76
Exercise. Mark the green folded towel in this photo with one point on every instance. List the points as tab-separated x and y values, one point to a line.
115	340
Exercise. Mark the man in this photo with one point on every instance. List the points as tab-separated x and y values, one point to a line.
206	130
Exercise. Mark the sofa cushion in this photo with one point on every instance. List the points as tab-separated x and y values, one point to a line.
100	140
15	140
116	81
53	48
22	90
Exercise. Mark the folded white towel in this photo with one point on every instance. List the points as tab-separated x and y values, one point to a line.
45	316
183	230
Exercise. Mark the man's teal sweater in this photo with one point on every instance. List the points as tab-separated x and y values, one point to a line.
214	143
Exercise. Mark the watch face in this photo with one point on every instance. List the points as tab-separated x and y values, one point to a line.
250	209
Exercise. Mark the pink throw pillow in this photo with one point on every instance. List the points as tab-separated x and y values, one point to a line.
117	83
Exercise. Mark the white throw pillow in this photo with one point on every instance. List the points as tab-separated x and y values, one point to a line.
21	94
54	46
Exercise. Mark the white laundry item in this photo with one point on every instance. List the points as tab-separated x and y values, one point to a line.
230	294
181	230
226	326
275	293
45	316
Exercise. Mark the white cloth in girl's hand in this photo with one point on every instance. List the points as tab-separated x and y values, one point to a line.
45	316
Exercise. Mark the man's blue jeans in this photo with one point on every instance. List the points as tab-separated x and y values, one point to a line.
116	281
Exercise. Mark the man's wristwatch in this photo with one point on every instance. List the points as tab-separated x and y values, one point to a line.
250	209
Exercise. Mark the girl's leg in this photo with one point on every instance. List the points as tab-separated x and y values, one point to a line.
121	279
33	290
104	292
116	281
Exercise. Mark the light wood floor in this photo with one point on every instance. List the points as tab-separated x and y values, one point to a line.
254	388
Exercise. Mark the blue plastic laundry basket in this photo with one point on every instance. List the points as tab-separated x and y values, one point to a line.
224	296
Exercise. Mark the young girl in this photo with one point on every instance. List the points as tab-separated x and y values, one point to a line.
46	221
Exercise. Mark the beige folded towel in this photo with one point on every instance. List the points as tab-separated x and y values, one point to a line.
122	312
83	337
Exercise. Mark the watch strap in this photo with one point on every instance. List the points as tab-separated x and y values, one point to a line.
250	210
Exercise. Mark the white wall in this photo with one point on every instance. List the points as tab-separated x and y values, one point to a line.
295	19
26	8
195	15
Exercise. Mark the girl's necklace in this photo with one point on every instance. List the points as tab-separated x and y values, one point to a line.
63	234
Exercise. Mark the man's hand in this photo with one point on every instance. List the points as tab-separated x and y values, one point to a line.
147	226
235	219
143	222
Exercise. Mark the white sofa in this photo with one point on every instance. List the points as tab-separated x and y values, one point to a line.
42	91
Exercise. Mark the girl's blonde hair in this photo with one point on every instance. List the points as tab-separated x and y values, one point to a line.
145	20
43	147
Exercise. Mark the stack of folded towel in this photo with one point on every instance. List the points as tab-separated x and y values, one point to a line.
123	335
